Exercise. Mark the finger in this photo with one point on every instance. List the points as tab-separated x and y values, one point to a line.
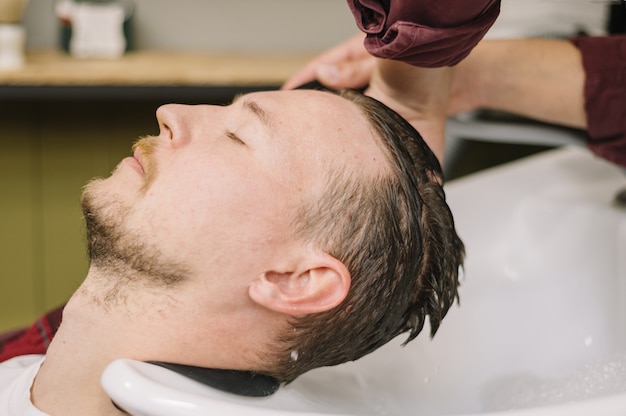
306	74
309	72
349	50
352	74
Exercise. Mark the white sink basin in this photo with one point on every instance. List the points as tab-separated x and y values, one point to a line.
541	327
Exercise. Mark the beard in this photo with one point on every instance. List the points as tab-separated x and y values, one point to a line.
121	254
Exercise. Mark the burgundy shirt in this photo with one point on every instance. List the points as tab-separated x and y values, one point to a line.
424	33
441	33
604	62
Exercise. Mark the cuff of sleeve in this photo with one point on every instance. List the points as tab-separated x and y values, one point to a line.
604	62
418	44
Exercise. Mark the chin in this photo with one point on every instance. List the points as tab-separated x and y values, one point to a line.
102	203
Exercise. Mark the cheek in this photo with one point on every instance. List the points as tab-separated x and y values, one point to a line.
214	209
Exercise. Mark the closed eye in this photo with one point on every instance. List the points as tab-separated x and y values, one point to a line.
231	135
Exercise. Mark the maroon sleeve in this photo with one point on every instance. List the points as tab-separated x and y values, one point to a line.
604	62
424	33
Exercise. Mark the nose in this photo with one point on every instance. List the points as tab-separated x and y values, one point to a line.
177	122
172	125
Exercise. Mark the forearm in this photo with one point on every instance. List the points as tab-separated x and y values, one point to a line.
541	79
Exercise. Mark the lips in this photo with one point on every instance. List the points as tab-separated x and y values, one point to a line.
139	159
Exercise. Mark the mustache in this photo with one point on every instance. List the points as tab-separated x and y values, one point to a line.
146	147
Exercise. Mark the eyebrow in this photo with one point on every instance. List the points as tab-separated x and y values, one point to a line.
255	109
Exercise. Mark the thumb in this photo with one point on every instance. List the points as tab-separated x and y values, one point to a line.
353	74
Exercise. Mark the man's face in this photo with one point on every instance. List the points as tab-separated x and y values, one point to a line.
216	192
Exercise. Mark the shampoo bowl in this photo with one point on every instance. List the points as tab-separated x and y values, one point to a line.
540	329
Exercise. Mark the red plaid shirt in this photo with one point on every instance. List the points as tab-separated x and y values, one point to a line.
32	340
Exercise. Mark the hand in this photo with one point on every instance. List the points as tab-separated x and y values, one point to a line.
347	65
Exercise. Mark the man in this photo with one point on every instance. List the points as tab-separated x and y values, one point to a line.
287	231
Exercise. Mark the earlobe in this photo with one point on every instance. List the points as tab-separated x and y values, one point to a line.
312	288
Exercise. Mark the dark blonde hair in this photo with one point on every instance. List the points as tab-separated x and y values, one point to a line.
395	234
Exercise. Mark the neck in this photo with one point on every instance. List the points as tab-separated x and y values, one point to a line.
74	362
144	324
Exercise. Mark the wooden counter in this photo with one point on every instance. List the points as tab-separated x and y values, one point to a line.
146	72
156	68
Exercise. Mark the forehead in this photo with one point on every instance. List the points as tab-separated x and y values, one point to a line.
322	124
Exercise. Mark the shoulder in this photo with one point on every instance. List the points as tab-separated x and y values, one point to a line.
16	378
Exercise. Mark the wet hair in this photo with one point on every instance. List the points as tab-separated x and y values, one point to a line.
395	234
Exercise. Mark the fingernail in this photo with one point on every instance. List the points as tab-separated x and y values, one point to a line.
328	73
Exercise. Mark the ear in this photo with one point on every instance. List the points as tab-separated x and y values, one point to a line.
318	284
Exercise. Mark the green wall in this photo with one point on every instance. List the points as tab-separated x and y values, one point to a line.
48	151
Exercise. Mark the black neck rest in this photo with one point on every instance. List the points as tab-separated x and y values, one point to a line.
243	383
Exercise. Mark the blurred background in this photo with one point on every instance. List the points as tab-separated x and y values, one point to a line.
58	129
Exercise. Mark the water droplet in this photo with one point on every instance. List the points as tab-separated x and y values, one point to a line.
294	355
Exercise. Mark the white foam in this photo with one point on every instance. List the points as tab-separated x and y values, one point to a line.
599	378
